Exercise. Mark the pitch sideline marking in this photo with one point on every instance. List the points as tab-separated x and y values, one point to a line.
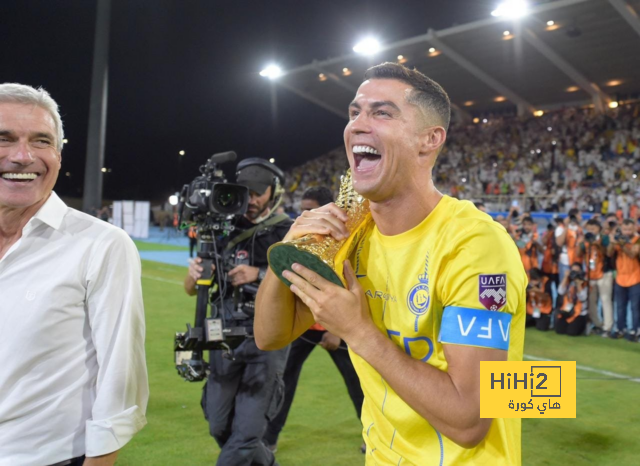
165	280
590	369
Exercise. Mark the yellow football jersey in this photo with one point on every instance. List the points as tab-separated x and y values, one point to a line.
456	278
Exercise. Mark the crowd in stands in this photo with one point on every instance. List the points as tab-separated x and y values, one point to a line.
571	158
584	276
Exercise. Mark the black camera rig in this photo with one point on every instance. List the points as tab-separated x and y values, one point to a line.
213	206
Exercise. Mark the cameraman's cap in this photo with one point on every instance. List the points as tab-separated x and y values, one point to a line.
255	178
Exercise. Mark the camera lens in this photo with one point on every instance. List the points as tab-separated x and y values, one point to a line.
227	198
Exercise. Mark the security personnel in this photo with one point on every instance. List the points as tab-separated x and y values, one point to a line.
246	390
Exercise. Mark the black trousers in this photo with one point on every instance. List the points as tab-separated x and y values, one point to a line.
300	351
575	328
541	323
241	396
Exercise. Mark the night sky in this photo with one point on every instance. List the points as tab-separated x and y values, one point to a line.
183	75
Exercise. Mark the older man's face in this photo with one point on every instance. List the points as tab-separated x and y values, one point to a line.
29	160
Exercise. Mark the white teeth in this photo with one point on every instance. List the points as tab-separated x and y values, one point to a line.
367	149
19	176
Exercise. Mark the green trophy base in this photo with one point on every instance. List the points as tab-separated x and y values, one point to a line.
283	256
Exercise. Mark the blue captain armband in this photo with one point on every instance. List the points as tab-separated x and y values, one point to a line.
475	327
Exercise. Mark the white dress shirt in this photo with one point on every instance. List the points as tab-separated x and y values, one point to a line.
73	378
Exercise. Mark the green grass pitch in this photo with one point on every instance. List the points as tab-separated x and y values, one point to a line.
322	428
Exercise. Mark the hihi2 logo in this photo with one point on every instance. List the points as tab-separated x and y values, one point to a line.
527	389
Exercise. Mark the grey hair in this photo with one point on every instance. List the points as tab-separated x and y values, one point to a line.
13	93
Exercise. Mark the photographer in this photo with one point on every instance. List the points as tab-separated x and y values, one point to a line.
567	239
539	302
625	249
244	392
551	255
526	239
593	252
571	318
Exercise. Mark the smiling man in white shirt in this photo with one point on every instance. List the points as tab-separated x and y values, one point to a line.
73	378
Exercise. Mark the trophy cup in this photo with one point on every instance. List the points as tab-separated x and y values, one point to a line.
319	252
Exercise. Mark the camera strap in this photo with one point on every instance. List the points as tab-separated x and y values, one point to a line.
262	225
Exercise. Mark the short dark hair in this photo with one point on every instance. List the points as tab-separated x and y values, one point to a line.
574	212
628	221
593	221
479	204
527	219
535	274
427	94
320	194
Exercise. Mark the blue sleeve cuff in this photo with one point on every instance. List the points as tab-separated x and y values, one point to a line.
475	327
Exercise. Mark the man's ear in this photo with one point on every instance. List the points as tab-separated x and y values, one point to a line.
433	138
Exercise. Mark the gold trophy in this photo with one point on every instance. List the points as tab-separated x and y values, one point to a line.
324	254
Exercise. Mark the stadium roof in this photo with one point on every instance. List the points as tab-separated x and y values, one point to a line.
590	54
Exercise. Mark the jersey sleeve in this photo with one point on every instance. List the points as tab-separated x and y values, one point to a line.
482	286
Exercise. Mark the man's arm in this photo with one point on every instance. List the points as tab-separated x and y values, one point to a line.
450	401
280	317
629	249
116	317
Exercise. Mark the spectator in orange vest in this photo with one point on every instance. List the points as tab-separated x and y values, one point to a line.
571	318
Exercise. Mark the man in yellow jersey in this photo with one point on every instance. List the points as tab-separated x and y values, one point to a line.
438	287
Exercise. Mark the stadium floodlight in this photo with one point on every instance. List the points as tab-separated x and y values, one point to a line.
271	72
173	199
511	9
368	46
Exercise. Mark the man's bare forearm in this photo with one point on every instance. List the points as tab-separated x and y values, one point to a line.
279	317
453	409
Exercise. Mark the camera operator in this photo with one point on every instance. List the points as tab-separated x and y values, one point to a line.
571	318
539	302
526	239
593	252
244	392
625	249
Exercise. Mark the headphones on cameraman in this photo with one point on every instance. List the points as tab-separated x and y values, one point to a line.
277	184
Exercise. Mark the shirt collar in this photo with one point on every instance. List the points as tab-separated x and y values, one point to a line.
52	212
